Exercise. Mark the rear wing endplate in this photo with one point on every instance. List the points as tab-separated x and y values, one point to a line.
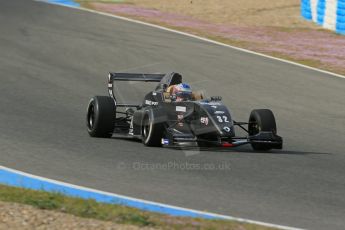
131	77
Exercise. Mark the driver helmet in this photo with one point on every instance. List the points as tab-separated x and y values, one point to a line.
182	92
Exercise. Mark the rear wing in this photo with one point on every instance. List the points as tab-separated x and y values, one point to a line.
152	77
130	77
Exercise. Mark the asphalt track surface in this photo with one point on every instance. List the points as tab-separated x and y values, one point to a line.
53	59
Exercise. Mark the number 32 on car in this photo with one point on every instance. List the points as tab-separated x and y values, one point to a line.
222	119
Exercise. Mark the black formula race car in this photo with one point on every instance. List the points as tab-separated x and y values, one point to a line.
159	120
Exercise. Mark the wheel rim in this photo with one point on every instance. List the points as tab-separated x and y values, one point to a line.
254	128
146	128
91	117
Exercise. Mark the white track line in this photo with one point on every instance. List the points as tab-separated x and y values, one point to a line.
145	201
199	38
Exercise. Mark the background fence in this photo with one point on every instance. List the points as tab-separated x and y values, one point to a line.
329	14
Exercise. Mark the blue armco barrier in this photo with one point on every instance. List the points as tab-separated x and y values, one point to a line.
340	27
306	9
329	14
18	179
321	7
65	2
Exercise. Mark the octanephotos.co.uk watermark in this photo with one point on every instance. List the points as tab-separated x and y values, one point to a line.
174	165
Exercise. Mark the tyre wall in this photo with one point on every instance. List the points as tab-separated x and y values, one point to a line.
329	14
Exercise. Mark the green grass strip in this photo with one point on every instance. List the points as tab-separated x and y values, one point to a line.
114	213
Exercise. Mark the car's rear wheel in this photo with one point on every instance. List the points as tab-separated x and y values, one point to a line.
261	120
152	130
100	117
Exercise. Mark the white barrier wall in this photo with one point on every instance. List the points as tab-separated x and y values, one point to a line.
329	14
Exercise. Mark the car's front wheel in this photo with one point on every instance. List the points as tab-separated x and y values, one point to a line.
261	120
100	117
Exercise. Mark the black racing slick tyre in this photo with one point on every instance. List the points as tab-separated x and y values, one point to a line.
152	129
101	115
261	120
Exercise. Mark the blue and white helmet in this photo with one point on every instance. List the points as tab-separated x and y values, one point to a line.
183	87
182	91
